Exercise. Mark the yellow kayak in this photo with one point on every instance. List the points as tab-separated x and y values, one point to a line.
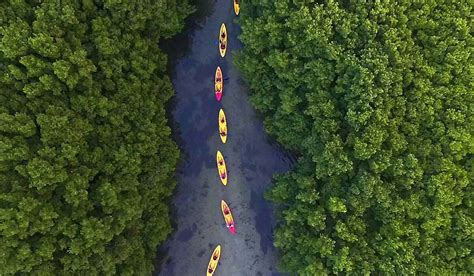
218	84
211	268
223	40
236	7
229	220
221	168
222	126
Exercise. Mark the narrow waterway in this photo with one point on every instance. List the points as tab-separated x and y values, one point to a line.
251	156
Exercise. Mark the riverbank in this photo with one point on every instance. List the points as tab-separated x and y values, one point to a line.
252	158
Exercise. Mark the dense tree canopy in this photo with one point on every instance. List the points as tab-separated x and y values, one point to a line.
376	97
86	157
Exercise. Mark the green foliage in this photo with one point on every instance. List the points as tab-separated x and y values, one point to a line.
86	158
376	97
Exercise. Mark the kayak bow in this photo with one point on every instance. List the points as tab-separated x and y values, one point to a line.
236	7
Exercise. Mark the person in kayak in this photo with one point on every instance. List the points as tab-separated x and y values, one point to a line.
223	133
230	225
221	41
214	257
222	120
210	270
226	211
218	79
223	176
221	162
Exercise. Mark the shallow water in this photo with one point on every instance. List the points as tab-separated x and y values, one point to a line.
251	158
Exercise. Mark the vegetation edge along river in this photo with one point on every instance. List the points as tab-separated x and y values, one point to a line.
86	157
376	97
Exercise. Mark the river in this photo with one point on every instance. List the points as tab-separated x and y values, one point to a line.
251	157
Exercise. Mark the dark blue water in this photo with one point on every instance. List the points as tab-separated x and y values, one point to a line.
251	157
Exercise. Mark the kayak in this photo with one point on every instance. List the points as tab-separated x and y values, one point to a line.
223	40
222	126
214	261
236	7
221	168
218	84
229	220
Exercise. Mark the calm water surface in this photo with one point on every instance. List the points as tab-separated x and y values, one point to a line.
251	157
